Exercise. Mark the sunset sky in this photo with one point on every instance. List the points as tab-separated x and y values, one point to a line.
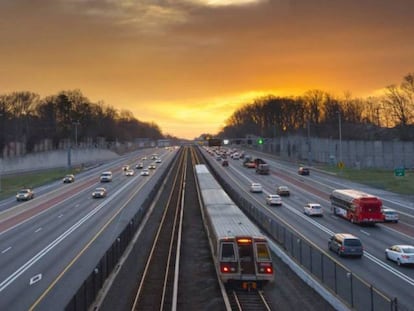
188	64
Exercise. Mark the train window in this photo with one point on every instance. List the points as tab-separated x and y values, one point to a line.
227	252
262	251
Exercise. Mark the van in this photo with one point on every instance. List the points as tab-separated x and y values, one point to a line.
345	244
106	176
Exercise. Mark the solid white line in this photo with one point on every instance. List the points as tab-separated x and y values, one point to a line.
38	230
6	250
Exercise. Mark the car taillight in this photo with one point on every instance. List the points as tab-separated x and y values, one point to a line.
342	248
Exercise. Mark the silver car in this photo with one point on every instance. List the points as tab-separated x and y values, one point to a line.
401	254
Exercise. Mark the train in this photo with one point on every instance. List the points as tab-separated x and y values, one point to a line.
240	251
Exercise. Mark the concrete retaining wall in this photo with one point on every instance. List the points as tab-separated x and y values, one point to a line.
55	159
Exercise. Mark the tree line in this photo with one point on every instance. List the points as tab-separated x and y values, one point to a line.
319	113
27	118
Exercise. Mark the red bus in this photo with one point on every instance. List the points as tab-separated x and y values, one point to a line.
356	206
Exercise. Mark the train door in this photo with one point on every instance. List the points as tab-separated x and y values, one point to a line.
246	256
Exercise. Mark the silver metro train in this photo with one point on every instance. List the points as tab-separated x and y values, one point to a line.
241	252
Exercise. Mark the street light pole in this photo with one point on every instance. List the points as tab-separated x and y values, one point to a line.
340	137
76	123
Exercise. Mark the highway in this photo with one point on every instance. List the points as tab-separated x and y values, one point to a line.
393	280
49	244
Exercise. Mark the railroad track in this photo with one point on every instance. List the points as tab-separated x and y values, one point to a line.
158	286
248	300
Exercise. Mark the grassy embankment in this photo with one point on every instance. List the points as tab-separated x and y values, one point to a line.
10	184
377	178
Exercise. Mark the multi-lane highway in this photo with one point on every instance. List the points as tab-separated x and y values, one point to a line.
49	244
385	275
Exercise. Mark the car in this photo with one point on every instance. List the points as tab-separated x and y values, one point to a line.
390	215
283	191
256	187
273	199
144	158
346	244
106	176
70	178
158	160
313	209
99	193
139	166
250	164
225	163
401	254
145	172
125	168
303	170
152	166
25	194
129	172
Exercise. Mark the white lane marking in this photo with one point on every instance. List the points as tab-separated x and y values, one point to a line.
364	232
35	279
38	230
12	277
6	250
60	216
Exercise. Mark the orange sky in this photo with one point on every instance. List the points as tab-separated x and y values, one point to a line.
188	64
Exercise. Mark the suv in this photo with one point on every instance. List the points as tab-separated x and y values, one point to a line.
106	176
283	191
256	187
345	244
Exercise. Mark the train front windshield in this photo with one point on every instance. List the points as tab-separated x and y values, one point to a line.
263	253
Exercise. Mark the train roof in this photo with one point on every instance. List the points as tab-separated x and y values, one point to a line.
226	218
229	221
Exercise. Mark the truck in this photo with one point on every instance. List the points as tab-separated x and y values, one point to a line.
261	166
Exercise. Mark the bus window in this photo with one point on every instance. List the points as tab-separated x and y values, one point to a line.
227	252
262	252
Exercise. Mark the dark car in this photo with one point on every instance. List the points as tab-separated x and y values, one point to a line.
225	163
69	178
303	170
99	193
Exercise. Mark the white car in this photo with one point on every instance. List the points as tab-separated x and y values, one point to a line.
401	254
129	172
313	209
390	215
256	187
158	160
273	199
145	172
